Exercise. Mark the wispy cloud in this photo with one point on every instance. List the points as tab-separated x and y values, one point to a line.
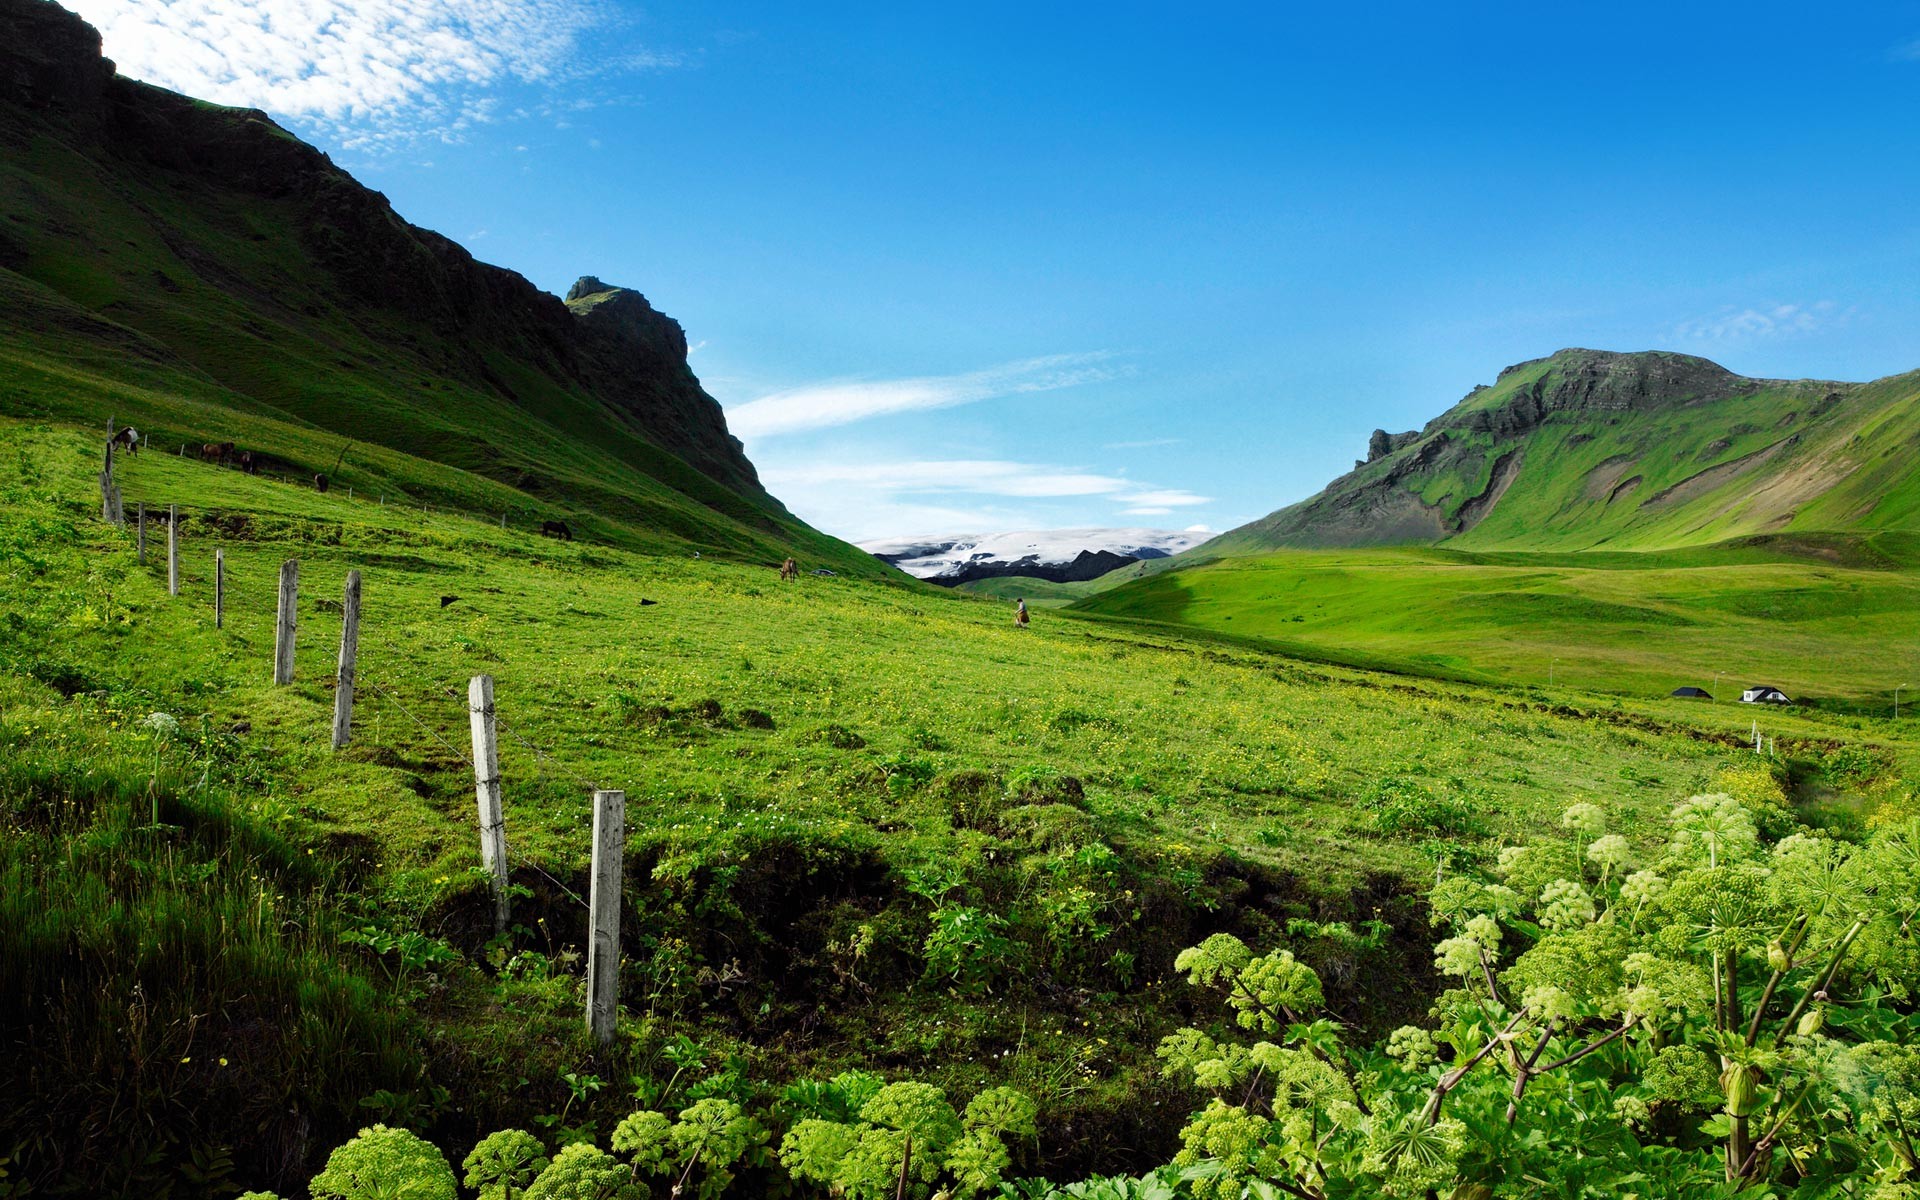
374	73
1907	51
1143	444
1781	320
842	402
875	499
988	477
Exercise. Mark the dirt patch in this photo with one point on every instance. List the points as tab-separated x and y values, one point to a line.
1694	486
1601	480
1506	469
1623	489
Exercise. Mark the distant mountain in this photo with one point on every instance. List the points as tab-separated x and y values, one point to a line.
1588	449
1060	555
201	273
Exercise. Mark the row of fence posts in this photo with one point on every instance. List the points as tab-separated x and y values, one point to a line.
609	805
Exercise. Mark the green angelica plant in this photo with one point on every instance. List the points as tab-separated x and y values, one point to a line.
385	1164
1732	1018
504	1164
907	1139
582	1171
711	1139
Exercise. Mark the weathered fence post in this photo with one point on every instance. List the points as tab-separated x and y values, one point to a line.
106	478
486	784
349	648
219	589
283	625
173	549
603	902
140	511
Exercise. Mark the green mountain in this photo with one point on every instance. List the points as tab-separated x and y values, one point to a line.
198	272
1593	450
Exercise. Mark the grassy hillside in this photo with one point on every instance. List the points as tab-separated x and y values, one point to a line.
1823	618
1585	450
198	273
870	825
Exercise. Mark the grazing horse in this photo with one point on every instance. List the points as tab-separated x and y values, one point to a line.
320	483
127	439
557	529
247	463
789	569
216	452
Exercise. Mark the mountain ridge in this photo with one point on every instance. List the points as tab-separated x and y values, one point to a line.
159	254
1587	448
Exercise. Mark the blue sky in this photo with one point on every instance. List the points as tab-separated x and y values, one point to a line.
1024	266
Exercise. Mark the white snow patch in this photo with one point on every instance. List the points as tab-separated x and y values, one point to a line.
944	554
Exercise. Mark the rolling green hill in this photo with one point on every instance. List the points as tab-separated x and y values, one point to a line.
1589	450
199	273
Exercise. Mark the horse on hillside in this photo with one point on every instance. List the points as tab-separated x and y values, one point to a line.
557	529
216	452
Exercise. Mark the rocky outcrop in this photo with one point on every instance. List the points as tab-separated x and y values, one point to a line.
1383	443
51	60
1594	380
610	345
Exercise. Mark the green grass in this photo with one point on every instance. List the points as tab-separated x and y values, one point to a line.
1826	619
816	772
199	311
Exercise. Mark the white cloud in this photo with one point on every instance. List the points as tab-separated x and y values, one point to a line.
1145	444
987	477
841	402
1198	529
1166	496
1780	320
879	499
373	73
1908	51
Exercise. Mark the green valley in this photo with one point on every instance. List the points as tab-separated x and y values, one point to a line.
1360	851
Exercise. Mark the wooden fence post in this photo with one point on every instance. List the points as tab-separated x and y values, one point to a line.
486	784
219	589
173	549
603	902
140	511
283	625
349	648
106	478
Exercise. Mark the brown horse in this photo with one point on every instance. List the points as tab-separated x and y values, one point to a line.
216	452
789	569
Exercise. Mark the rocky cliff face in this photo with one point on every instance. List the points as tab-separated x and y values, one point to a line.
1593	381
611	345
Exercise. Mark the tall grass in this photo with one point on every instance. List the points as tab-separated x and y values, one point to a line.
173	1003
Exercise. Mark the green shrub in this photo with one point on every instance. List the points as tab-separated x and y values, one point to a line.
1401	807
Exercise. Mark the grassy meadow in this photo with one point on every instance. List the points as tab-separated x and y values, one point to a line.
871	823
1827	620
